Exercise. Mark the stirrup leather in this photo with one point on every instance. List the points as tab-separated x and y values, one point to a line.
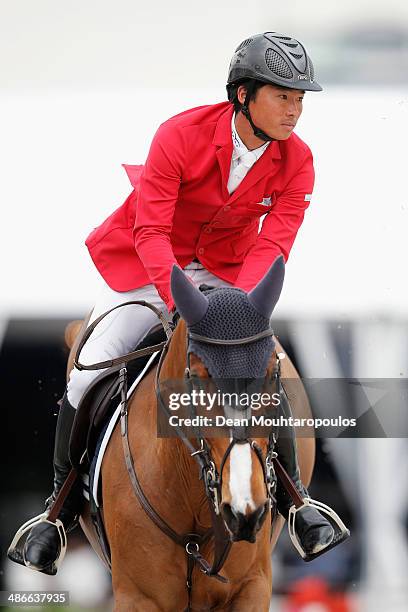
341	532
16	548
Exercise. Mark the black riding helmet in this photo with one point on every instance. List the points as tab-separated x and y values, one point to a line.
271	58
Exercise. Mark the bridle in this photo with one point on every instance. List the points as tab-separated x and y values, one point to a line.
201	452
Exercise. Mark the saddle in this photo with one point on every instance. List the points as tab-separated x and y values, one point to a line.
97	404
100	401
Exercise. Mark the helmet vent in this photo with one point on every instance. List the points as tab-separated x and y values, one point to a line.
296	55
283	37
311	70
244	44
277	65
291	45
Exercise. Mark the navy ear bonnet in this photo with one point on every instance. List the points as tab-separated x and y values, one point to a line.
230	316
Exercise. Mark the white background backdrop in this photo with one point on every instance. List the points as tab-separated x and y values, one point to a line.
83	88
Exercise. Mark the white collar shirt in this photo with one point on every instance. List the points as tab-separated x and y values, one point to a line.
242	158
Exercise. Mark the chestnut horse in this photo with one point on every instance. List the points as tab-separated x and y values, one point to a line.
148	568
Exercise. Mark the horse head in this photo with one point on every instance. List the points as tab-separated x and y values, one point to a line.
231	348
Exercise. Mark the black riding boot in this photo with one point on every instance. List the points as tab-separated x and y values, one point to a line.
313	530
42	546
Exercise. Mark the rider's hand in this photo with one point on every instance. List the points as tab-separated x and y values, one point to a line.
204	287
175	315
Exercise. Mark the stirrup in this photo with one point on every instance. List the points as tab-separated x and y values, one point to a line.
341	532
16	548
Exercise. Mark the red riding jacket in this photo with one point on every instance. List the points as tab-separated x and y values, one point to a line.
180	207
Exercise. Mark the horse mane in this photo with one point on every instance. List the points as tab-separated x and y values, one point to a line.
174	362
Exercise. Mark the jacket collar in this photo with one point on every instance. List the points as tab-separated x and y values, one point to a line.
267	164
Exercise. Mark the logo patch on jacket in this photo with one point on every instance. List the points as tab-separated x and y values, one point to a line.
308	197
266	201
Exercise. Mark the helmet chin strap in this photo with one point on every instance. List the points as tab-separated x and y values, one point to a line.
245	111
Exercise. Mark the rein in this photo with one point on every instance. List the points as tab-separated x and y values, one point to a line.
168	328
201	453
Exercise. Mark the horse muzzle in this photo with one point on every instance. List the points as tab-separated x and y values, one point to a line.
244	526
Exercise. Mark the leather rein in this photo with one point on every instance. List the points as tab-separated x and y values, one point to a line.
212	478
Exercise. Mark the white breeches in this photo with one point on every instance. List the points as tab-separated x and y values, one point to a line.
120	331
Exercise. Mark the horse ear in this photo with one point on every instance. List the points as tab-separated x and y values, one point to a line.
191	303
265	295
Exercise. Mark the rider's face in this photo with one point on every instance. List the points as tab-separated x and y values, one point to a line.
275	110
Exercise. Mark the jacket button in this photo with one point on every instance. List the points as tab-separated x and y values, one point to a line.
200	251
227	208
208	230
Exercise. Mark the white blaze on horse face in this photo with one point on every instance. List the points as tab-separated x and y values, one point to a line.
240	478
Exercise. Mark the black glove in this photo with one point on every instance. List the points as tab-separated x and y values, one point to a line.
175	315
205	287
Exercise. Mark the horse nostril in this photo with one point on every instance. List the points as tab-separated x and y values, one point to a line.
262	514
227	511
231	517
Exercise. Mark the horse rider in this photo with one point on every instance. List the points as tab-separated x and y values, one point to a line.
210	171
